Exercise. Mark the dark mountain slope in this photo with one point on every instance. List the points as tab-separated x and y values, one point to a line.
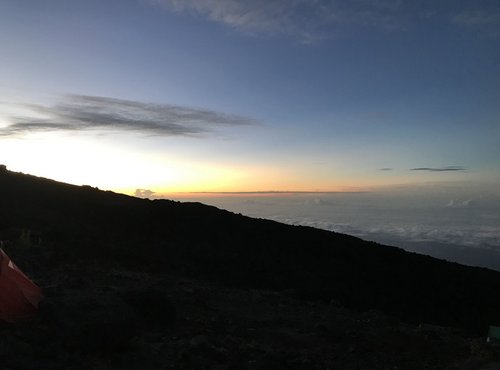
75	223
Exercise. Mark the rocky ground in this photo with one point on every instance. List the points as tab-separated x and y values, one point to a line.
99	316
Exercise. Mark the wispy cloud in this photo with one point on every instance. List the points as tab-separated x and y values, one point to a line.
477	18
385	169
85	113
459	203
439	169
306	19
249	16
486	21
314	20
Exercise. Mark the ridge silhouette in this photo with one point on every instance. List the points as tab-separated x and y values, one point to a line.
81	223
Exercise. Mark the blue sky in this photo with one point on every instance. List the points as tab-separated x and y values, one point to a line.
236	95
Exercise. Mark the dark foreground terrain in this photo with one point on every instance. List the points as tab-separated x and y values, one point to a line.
139	284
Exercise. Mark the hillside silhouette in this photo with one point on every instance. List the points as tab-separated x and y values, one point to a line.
78	234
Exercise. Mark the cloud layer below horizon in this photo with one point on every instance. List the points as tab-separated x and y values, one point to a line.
437	225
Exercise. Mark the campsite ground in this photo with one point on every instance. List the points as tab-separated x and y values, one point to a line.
97	316
491	366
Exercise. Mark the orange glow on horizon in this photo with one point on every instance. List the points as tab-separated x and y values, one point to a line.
100	162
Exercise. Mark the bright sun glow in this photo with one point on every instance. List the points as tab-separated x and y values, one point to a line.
109	164
79	160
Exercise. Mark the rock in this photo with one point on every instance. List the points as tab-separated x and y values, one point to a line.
102	323
152	306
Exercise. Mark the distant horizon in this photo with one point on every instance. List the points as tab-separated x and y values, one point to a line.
459	223
344	190
422	185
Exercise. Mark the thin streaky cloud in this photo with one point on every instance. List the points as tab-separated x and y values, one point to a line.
84	113
311	21
477	18
307	20
385	169
270	17
439	169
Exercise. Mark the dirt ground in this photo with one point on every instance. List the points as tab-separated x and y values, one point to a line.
102	317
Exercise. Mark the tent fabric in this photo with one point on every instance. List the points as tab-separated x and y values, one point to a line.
19	296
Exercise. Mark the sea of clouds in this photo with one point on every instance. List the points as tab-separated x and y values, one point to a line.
453	225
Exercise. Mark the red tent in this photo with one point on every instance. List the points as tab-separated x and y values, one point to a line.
19	296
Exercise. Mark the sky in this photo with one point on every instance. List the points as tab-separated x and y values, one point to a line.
170	96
